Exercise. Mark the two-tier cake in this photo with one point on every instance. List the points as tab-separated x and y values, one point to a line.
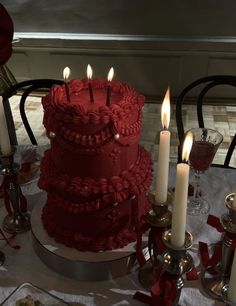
96	174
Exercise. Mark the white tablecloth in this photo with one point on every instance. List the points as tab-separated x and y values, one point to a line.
24	266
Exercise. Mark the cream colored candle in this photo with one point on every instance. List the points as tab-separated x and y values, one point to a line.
164	153
181	195
5	145
232	282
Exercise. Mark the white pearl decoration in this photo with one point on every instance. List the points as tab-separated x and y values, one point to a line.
52	134
117	136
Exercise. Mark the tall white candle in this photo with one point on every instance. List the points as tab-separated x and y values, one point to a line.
232	282
181	195
164	152
5	145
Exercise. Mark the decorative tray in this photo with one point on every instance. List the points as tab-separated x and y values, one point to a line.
35	294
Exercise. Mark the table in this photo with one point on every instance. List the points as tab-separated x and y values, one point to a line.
24	266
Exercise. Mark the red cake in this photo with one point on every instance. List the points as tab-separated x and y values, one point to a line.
96	174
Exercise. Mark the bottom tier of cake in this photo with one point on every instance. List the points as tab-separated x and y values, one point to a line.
82	266
110	228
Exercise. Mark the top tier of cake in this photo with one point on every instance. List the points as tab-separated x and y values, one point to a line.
92	129
86	117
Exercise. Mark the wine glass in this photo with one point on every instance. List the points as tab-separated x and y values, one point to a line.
205	144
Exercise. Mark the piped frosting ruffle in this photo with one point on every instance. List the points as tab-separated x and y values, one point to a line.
83	195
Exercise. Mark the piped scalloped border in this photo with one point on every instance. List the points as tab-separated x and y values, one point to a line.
56	104
97	194
89	243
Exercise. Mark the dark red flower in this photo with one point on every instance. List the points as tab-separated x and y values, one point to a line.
6	35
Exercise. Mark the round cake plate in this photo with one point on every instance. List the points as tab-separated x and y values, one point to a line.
82	266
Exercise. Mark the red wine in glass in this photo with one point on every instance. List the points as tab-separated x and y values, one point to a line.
201	155
205	144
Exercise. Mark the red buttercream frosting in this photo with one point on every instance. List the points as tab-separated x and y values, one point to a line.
95	173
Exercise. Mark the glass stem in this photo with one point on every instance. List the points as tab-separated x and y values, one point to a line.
197	190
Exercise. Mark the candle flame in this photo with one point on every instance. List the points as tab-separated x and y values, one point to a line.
188	141
89	72
110	74
66	73
165	110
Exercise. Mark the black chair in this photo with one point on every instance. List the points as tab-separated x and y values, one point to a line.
25	88
203	85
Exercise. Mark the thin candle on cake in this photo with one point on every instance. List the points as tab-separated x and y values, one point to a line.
164	153
5	145
109	79
181	195
66	75
89	76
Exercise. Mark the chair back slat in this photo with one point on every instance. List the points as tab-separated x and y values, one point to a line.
203	85
26	87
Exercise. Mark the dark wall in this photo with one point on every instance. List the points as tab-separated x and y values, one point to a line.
147	17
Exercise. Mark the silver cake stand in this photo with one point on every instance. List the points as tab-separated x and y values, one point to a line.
82	266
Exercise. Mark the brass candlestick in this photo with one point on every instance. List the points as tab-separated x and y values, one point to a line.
215	285
159	215
225	296
159	218
16	221
177	261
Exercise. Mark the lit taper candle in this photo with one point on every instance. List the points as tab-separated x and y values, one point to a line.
179	212
164	152
89	76
5	145
109	79
66	75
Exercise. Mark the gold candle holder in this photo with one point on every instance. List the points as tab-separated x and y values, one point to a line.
216	285
224	292
176	260
159	217
16	221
